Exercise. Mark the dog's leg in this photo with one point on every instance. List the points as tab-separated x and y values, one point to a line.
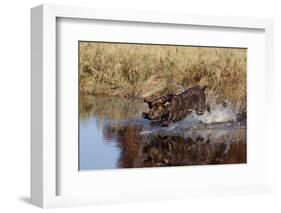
208	108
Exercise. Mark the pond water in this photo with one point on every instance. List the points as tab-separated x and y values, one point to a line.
113	135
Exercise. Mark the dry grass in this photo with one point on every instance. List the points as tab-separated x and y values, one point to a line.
139	71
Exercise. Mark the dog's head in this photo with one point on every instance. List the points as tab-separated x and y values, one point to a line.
158	107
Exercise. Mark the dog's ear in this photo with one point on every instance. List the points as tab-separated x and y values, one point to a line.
163	99
148	102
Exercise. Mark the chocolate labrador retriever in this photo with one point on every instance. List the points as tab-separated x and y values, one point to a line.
172	108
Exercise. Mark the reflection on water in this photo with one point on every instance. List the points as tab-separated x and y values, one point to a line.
113	134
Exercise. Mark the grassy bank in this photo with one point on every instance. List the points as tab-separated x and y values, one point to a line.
141	71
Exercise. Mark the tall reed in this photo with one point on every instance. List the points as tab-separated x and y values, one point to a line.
139	71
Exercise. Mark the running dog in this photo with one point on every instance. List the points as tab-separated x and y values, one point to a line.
172	108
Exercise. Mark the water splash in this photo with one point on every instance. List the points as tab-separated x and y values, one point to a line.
218	114
220	117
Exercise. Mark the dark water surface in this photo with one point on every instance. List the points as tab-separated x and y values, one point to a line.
113	134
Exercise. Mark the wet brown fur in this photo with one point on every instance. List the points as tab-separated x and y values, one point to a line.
173	108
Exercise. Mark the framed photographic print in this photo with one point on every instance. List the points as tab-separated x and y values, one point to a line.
130	105
186	124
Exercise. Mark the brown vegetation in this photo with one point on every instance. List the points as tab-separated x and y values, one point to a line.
139	71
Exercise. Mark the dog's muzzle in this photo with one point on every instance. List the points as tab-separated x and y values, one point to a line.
145	115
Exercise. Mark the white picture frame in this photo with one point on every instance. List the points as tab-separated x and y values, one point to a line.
44	148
